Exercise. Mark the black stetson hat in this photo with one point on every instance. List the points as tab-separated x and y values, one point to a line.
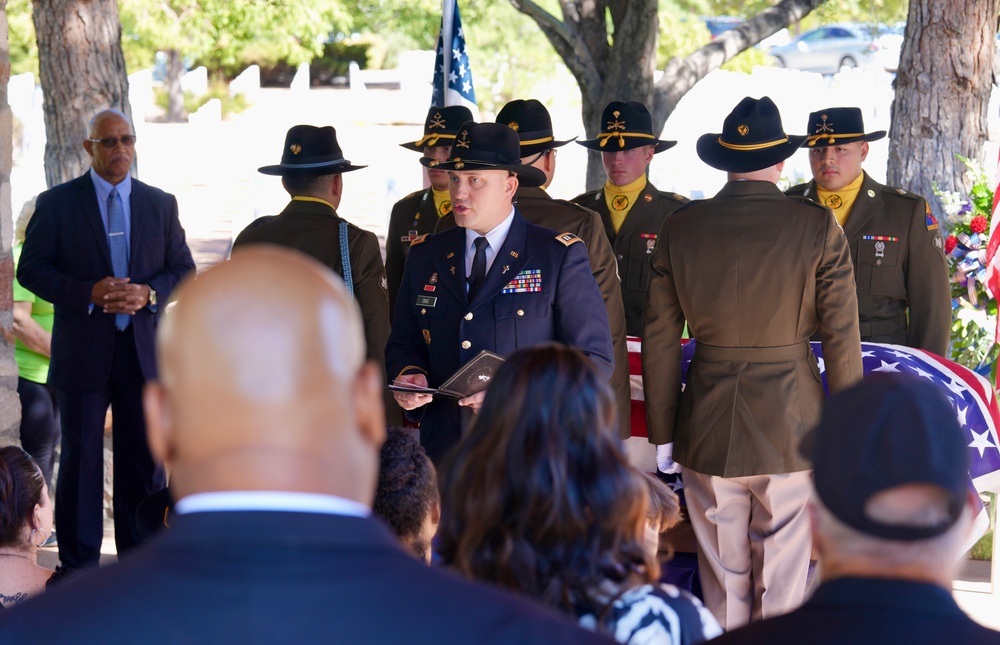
626	125
488	146
533	125
752	138
890	430
440	127
310	150
837	125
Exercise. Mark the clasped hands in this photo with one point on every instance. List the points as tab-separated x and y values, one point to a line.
413	400
119	296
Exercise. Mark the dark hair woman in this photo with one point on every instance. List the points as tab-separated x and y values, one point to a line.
407	493
539	498
25	523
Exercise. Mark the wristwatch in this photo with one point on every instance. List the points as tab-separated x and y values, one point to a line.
152	296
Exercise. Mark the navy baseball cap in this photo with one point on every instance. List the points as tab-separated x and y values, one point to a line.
888	431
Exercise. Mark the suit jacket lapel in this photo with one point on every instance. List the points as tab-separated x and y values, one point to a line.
509	260
451	270
864	208
92	213
137	204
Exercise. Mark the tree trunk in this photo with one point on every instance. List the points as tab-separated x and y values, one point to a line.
82	71
10	403
175	95
942	94
621	66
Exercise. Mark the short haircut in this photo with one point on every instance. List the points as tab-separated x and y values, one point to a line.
21	485
306	184
407	487
104	114
939	550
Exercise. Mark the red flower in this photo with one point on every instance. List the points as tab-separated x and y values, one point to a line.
978	224
950	244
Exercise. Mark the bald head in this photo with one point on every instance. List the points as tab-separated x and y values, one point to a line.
263	382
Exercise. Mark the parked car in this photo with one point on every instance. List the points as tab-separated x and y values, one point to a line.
719	24
828	48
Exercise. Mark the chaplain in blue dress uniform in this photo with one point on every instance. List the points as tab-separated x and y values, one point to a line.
493	283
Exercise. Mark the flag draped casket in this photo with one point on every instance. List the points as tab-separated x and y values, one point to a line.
972	395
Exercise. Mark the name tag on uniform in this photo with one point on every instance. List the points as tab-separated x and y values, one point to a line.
526	281
427	301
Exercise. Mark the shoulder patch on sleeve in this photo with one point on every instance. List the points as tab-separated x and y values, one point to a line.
568	238
932	223
418	239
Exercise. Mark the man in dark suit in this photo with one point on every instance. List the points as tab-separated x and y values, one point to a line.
892	514
755	274
632	208
899	262
494	283
420	212
268	418
106	250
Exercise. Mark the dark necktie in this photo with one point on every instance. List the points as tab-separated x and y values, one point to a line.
478	267
118	244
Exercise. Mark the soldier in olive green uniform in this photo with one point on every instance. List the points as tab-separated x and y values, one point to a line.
899	262
311	169
419	213
533	125
632	209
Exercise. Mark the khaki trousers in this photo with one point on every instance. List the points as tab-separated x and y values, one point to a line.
754	543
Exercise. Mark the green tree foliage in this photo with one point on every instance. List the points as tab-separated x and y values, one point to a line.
21	38
510	57
683	31
225	36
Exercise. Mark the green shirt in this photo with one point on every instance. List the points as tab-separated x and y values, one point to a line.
32	365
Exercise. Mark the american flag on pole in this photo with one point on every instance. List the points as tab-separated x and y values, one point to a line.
452	72
973	396
992	261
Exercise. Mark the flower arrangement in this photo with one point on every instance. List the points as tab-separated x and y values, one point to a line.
974	309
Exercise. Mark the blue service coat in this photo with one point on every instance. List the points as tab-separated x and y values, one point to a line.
539	289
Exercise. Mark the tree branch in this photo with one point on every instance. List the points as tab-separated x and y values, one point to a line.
568	43
679	76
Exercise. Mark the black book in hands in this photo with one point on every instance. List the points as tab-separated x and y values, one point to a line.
474	377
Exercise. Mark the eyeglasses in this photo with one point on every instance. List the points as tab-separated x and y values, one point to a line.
110	142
